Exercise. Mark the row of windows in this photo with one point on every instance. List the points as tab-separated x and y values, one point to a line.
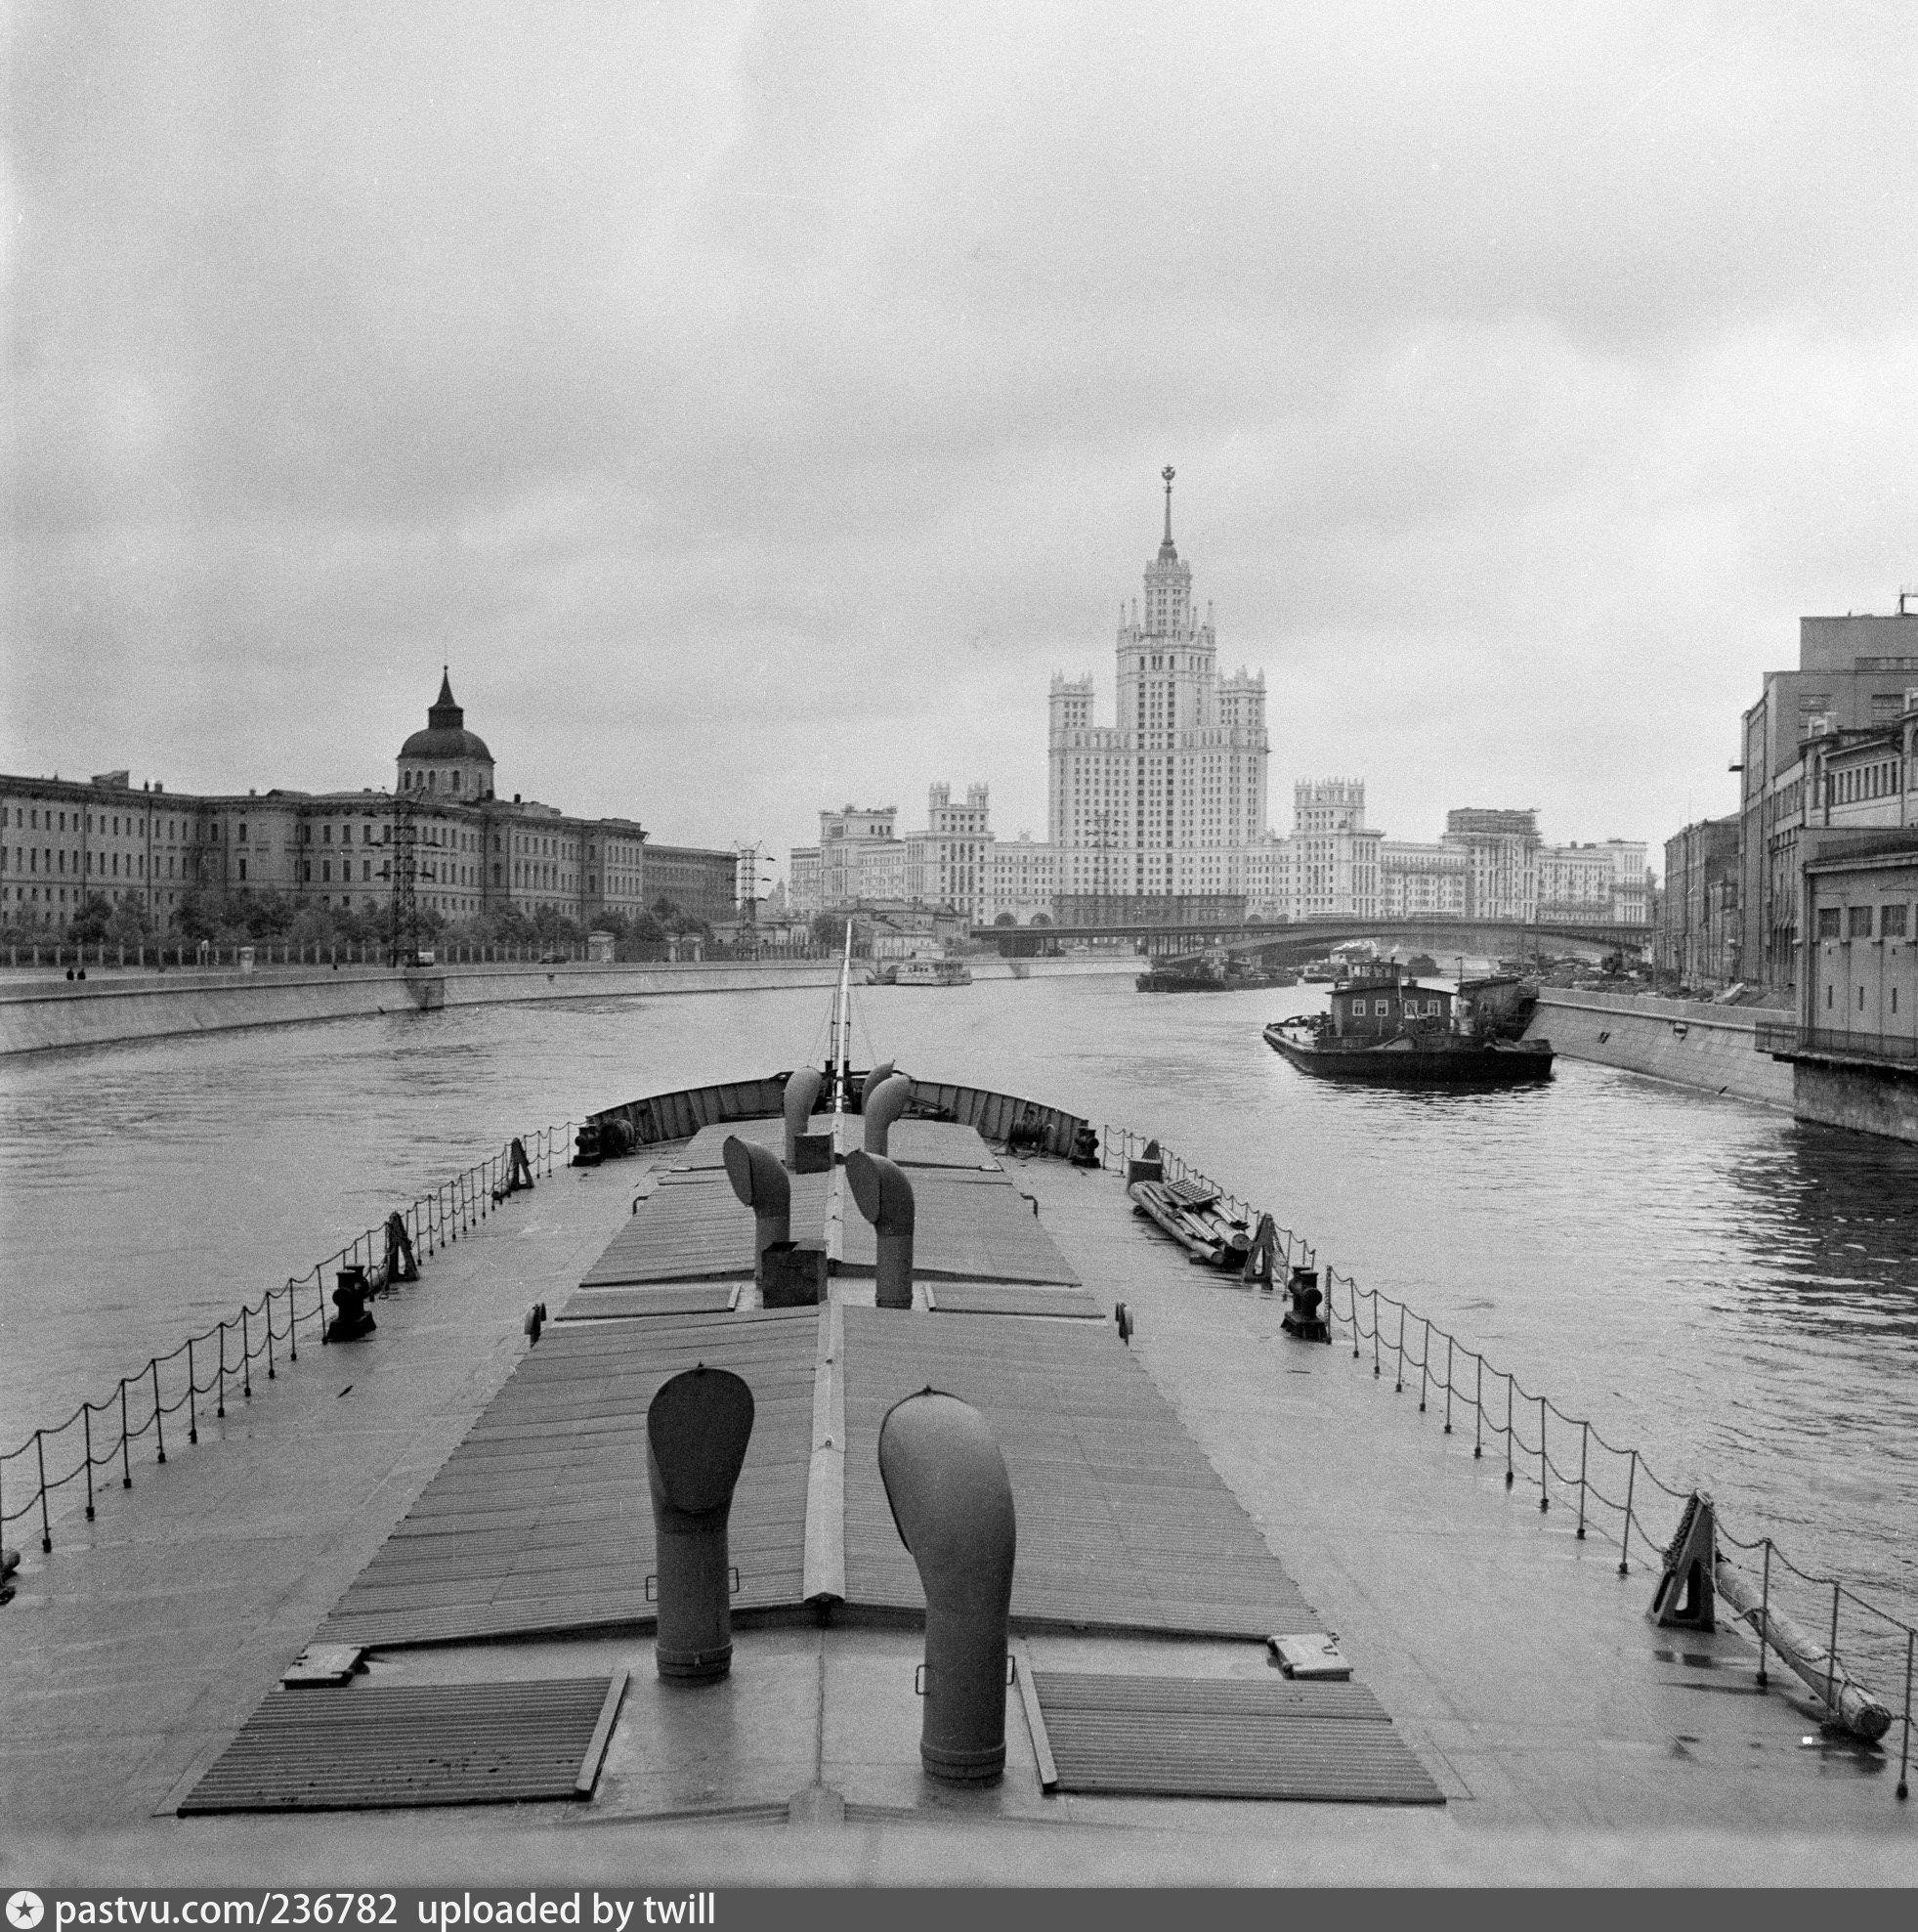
1854	922
1414	1009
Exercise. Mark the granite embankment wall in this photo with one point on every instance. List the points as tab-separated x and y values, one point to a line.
37	1014
1677	1040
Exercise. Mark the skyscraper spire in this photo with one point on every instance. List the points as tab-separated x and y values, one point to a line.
1165	550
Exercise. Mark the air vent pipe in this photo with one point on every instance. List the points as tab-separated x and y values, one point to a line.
881	1106
885	1198
952	1504
761	1185
696	1429
875	1080
802	1089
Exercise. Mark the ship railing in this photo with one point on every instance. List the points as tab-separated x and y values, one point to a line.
1568	1462
206	1370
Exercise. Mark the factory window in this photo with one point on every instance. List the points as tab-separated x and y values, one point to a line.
1828	922
242	868
1891	923
1860	924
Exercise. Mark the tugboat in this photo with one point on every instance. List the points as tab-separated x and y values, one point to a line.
1397	1032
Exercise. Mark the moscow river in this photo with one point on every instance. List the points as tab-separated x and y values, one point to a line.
1731	1293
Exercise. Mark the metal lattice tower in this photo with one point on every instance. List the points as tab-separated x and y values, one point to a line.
403	869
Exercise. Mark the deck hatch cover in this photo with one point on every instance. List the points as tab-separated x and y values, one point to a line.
1009	1298
1123	1523
538	1523
1226	1737
638	1301
392	1747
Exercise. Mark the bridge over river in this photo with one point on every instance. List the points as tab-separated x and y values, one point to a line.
1298	940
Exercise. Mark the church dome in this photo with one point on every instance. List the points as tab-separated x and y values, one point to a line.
446	737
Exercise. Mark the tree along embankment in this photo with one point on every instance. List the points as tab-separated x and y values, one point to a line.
1679	1040
40	1013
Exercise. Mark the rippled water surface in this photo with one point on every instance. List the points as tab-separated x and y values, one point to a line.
1733	1293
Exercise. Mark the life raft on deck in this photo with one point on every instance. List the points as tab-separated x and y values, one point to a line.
1194	1214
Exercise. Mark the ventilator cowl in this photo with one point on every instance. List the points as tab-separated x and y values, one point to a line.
697	1429
881	1106
952	1504
761	1185
802	1091
885	1198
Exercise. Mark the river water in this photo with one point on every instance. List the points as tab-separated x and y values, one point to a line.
1730	1292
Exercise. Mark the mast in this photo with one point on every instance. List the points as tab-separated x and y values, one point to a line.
843	1028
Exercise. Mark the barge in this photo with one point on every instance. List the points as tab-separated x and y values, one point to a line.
435	1544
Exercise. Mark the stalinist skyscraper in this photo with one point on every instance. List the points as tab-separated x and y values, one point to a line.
1168	802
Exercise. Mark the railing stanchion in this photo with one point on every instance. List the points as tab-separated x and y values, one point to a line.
1544	1466
1831	1657
86	1429
126	1450
319	1276
292	1327
1625	1541
192	1395
1765	1615
1478	1408
1584	1454
245	1356
1375	1335
1424	1363
1448	1384
40	1457
266	1309
220	1406
1507	1432
159	1418
1398	1373
1904	1753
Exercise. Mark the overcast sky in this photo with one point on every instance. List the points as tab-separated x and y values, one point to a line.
755	406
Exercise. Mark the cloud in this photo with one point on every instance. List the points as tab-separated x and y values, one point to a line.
756	404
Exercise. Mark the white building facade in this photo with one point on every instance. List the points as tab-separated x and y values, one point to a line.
1166	801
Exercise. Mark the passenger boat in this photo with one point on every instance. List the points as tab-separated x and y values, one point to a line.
1385	1030
833	1528
933	973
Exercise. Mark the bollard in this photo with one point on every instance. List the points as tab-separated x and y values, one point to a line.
952	1504
881	1106
1303	1316
885	1198
696	1431
801	1097
761	1185
355	1319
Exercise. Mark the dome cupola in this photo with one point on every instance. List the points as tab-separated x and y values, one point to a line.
445	759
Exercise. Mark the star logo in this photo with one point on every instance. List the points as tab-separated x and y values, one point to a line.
24	1911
